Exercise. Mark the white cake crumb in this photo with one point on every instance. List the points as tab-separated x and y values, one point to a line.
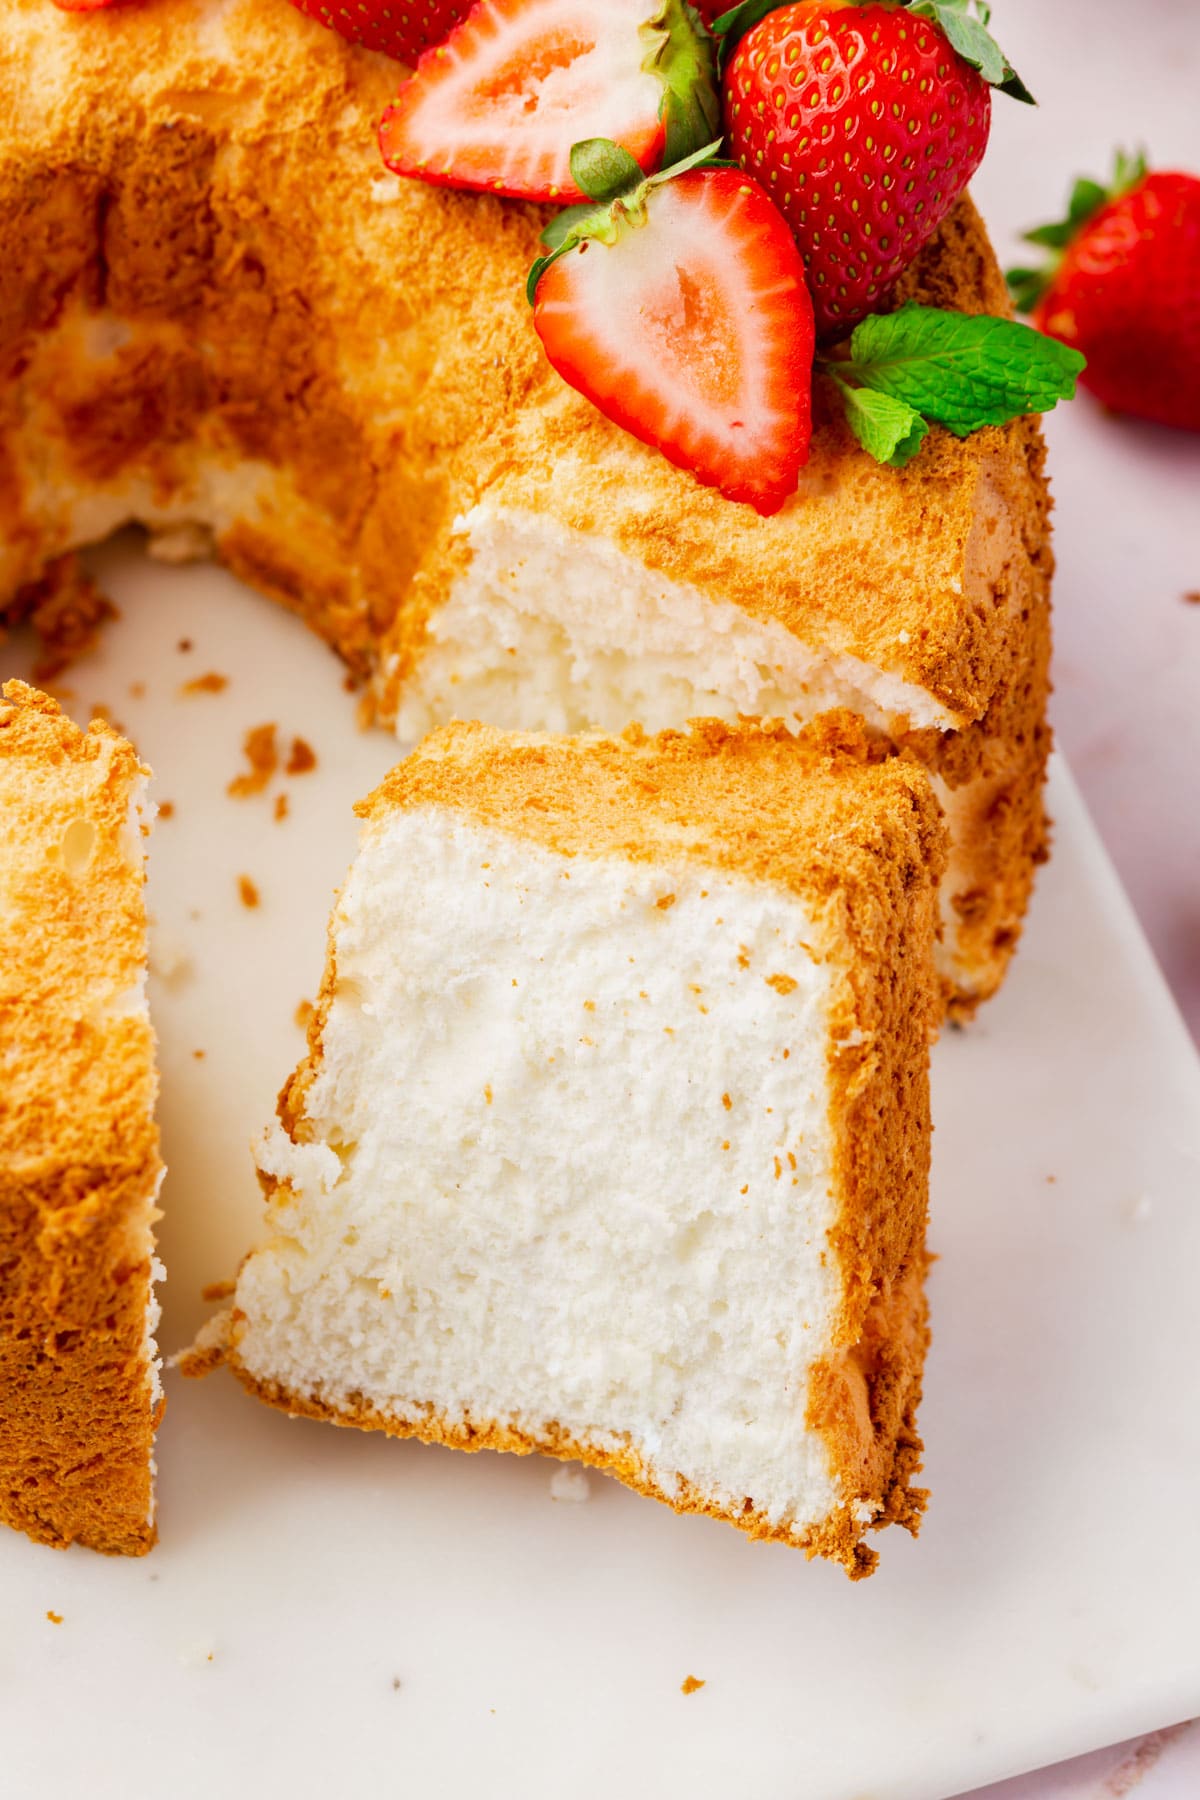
181	544
169	960
570	1483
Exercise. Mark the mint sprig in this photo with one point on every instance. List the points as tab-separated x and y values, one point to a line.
1027	285
964	24
960	371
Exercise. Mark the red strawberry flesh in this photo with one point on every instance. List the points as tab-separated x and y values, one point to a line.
399	28
694	333
499	105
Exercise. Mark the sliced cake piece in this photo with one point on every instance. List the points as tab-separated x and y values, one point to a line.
613	1135
79	1164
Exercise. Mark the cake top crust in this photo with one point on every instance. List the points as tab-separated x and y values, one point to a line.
817	814
211	165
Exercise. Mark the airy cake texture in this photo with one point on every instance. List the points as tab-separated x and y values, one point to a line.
217	307
79	1163
612	1138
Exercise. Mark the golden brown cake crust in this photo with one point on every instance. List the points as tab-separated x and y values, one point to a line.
79	1160
859	838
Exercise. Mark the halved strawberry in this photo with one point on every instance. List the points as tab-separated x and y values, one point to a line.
498	106
682	312
399	28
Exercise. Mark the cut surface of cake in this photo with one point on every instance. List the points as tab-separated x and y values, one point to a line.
338	380
79	1162
612	1138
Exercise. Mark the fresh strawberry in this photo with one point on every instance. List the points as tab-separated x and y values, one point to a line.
1123	286
400	28
680	309
499	105
865	125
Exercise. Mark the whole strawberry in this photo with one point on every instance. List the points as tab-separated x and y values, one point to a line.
1123	287
865	123
399	28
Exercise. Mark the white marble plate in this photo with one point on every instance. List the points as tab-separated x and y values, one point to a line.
334	1614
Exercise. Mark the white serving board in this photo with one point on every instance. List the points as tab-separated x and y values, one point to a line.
333	1614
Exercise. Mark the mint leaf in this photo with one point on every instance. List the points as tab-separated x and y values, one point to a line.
602	169
889	429
965	372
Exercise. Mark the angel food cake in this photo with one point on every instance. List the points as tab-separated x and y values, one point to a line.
612	1138
79	1162
218	309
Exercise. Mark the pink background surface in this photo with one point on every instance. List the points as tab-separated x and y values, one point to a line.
1127	671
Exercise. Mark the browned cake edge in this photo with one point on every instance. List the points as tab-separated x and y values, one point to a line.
79	1162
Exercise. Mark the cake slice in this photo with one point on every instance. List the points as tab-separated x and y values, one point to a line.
339	382
79	1162
612	1138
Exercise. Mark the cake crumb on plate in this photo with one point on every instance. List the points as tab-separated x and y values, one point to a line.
208	683
302	758
570	1484
260	750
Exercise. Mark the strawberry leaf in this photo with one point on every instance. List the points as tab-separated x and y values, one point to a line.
889	429
563	224
684	59
618	188
602	170
965	372
1026	287
731	27
1087	197
964	24
706	157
